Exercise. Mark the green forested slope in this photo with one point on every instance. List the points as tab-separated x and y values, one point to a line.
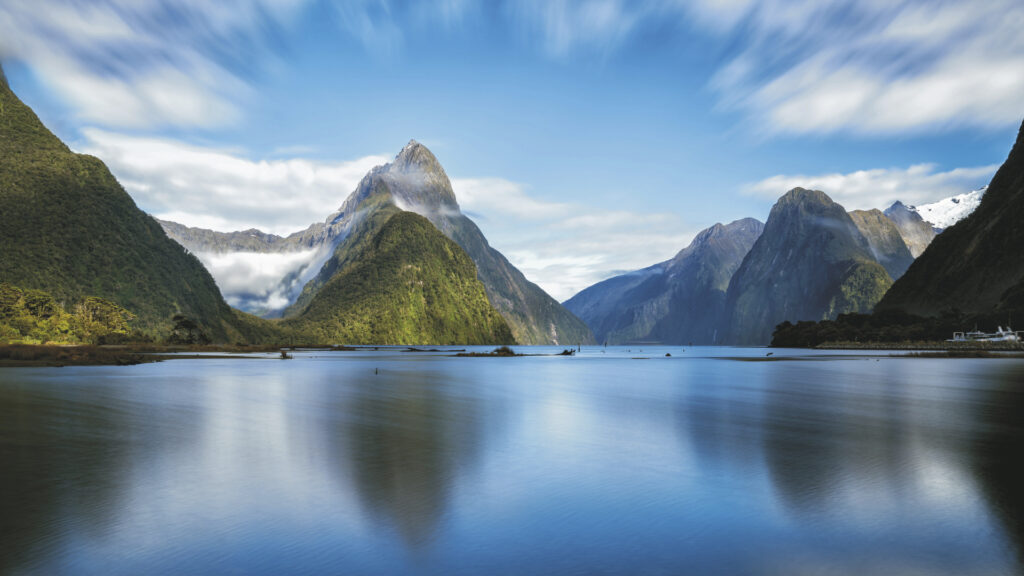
67	227
401	281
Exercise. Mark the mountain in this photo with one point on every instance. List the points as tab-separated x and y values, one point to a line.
949	211
416	182
678	301
811	262
974	266
403	283
885	241
67	227
916	233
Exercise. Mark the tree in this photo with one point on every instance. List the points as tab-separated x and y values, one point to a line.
110	316
186	331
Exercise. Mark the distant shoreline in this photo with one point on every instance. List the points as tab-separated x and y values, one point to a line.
922	346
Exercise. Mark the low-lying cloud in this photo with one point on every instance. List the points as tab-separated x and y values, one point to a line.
253	281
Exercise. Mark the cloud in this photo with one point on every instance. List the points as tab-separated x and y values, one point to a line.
869	67
565	26
565	247
880	187
253	281
496	196
136	64
874	68
222	189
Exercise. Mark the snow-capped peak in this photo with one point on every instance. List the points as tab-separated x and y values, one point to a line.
949	211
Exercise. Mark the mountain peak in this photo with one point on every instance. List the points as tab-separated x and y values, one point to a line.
3	79
800	195
416	157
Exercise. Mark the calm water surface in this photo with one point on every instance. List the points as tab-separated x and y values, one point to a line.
416	463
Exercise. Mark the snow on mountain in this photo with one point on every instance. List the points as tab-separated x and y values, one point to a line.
949	211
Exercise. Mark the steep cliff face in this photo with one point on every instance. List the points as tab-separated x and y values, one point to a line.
885	241
975	265
916	233
810	263
678	301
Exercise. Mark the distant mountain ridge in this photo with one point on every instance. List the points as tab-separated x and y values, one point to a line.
679	301
916	233
884	240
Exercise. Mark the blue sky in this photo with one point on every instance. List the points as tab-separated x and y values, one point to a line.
586	137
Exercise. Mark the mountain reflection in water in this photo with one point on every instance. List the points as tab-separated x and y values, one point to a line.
398	463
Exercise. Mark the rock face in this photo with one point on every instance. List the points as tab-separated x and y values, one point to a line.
416	182
678	301
916	233
68	227
404	283
974	266
885	241
810	263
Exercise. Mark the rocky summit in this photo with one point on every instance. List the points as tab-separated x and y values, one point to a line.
810	263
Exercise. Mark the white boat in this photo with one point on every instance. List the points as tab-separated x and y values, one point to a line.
999	335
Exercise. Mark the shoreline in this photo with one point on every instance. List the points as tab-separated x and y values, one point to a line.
922	346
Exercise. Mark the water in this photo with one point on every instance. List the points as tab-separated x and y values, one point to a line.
391	462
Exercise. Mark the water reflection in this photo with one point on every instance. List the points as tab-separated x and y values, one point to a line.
826	437
997	451
66	453
870	457
409	437
534	465
41	439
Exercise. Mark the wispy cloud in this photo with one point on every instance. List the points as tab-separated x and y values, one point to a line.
566	247
136	64
565	26
880	187
819	67
222	189
824	66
